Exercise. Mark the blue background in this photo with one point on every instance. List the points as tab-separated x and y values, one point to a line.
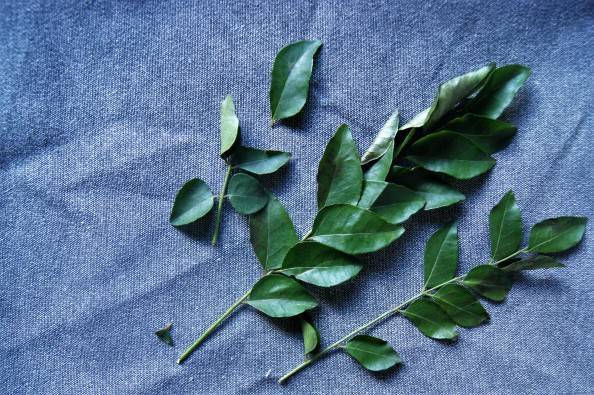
107	108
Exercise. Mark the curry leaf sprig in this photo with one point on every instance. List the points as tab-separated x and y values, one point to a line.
358	211
194	200
447	300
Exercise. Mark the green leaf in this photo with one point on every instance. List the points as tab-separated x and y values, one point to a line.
193	201
533	263
382	140
505	227
448	96
372	353
339	173
272	234
489	281
279	296
353	230
498	91
556	234
461	305
380	169
435	192
291	73
371	191
311	336
487	134
246	194
164	334
431	320
229	125
394	203
258	161
441	255
451	154
317	264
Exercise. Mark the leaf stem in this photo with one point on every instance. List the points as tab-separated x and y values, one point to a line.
212	328
391	312
219	214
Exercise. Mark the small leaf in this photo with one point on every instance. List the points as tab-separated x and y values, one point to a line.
499	90
279	296
556	234
451	154
431	320
505	227
317	264
229	125
489	281
372	353
488	134
258	161
448	96
461	305
382	140
371	191
311	336
441	255
246	194
339	174
192	202
381	168
435	192
533	263
164	334
353	230
272	234
394	203
291	73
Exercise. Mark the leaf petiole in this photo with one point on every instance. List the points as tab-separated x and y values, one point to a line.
385	315
212	327
221	198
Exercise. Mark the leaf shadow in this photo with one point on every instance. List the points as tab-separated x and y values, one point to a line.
200	229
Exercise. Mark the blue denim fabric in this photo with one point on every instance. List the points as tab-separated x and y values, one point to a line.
108	107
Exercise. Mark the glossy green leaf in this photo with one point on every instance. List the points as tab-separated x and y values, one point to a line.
556	234
533	263
487	134
394	203
291	73
441	255
431	320
505	227
435	192
353	230
339	174
448	96
193	201
258	161
317	264
371	191
372	353
279	296
229	125
461	305
382	140
489	281
272	234
246	194
164	334
381	168
451	154
498	91
311	336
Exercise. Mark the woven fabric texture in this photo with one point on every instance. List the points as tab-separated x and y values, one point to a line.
108	107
